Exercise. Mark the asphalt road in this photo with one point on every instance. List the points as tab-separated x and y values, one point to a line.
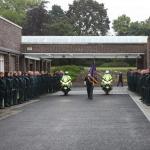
56	122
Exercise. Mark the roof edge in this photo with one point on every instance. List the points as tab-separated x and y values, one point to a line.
10	22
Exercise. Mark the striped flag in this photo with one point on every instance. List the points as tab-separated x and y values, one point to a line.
92	70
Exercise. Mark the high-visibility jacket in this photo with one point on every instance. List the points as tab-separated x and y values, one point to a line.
66	78
107	77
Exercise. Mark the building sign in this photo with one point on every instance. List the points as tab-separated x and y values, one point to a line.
29	48
1	63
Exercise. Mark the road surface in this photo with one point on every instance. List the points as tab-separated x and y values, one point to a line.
56	122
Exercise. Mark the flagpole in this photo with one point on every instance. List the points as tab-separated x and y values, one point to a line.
94	60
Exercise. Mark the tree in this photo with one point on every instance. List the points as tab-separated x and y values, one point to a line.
61	29
88	17
56	14
58	23
15	10
121	25
146	27
135	28
36	21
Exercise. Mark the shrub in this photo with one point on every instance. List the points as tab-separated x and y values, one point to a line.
72	69
115	64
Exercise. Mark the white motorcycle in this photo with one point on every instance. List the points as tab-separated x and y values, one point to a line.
66	86
106	85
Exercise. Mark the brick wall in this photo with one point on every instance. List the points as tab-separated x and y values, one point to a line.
91	48
10	38
10	35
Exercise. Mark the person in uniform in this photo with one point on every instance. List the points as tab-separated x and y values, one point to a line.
15	88
120	79
107	77
66	77
9	87
27	87
21	86
2	90
89	82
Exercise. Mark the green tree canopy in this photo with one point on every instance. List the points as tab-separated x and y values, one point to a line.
61	28
58	23
56	14
15	10
88	17
121	25
36	20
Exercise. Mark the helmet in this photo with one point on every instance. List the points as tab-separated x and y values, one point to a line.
66	72
107	71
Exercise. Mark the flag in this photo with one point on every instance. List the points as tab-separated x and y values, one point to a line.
92	70
93	73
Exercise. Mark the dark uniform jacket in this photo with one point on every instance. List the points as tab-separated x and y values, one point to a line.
2	87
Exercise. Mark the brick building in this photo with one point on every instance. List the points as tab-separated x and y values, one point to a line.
25	53
10	42
51	47
11	57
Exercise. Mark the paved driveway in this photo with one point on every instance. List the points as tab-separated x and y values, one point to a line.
56	122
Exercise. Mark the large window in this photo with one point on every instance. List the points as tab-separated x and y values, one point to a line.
1	63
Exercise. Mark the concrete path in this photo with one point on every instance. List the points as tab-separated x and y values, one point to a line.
56	122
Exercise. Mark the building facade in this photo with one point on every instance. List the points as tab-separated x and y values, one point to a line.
11	57
51	47
10	44
26	53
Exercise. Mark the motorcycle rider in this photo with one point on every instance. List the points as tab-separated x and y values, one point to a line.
106	77
66	78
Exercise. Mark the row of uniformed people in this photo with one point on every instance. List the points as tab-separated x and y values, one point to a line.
16	88
139	82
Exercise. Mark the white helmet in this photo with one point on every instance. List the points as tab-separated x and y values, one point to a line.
66	72
107	71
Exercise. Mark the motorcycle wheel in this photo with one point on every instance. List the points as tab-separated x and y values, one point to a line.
66	93
107	92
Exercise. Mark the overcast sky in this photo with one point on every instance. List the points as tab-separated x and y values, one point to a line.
137	10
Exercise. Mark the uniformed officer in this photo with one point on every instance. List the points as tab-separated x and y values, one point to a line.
27	87
66	77
120	79
9	87
21	86
2	90
89	82
15	90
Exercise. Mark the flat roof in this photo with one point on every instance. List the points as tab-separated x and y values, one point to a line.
10	22
81	55
84	39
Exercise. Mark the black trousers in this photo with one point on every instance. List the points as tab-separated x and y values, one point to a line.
120	82
90	91
14	95
1	102
8	98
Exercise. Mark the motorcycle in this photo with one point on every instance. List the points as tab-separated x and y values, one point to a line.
107	86
65	87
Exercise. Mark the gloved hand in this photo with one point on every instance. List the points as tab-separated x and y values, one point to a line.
84	83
